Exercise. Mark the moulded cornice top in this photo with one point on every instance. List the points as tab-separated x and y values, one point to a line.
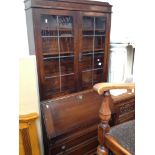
75	1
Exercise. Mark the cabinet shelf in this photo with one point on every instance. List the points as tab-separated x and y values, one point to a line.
96	49
65	29
57	57
57	53
90	53
90	70
62	36
93	29
94	35
58	29
58	76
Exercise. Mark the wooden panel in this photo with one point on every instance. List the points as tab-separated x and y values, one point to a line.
70	112
71	121
84	147
74	139
125	108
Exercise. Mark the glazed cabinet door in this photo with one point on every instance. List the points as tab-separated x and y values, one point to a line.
93	53
72	50
56	52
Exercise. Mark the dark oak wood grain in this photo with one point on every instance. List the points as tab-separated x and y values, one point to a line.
106	141
72	120
71	42
71	39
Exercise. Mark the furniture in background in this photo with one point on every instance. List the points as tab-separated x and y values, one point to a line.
68	131
70	39
28	136
120	138
71	121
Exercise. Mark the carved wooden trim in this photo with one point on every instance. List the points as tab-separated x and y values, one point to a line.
127	107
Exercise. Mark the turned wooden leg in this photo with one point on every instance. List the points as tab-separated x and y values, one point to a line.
105	112
103	127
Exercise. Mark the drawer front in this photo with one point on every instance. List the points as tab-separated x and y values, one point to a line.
74	140
84	148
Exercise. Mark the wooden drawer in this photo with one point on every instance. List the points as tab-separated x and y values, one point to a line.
84	148
69	143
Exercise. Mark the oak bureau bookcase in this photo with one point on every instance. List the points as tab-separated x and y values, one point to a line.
70	39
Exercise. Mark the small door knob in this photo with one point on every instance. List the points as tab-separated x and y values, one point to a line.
63	147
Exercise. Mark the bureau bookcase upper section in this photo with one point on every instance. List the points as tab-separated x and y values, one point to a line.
71	42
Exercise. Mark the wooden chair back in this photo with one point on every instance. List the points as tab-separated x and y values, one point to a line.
28	136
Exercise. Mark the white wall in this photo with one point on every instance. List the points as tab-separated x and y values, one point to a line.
14	22
28	86
132	20
13	44
122	24
28	92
